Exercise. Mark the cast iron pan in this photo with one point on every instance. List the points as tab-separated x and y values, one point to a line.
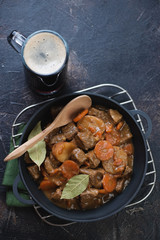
119	202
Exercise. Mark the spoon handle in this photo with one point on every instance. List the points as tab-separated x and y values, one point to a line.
30	143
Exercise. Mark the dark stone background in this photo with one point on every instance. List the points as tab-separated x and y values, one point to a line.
114	41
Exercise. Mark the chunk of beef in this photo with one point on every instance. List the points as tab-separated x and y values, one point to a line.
48	166
113	137
125	134
120	185
120	159
34	171
130	161
85	140
66	203
57	138
57	194
56	198
105	116
70	130
73	203
89	199
51	135
74	142
93	160
108	166
58	178
115	115
95	176
55	162
118	163
78	155
127	171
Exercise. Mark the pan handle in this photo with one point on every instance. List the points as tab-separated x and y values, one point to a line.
147	118
16	193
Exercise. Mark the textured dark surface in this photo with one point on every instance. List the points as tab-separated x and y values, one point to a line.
114	41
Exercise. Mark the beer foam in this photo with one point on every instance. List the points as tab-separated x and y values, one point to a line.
44	53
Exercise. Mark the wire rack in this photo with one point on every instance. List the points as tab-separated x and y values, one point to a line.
120	95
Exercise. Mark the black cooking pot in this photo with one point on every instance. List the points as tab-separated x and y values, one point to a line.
115	205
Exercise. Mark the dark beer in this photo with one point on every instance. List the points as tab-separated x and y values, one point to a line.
44	55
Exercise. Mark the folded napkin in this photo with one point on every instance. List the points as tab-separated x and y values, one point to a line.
10	174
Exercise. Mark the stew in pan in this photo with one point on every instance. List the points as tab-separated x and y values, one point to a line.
98	144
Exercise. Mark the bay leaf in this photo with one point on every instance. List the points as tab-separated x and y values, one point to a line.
75	186
38	152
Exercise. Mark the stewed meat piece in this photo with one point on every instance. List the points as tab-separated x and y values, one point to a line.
125	134
118	163
70	130
57	194
51	135
113	137
105	116
127	171
56	197
79	156
89	199
93	160
55	162
94	175
58	178
34	171
73	204
120	185
67	203
120	160
108	166
85	140
57	138
48	166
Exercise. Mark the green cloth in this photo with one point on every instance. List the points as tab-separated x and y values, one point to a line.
10	174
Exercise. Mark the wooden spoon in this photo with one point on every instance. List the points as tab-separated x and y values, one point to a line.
64	117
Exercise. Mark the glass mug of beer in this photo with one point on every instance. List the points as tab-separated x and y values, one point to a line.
44	56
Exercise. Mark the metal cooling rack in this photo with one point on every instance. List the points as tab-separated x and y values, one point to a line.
120	95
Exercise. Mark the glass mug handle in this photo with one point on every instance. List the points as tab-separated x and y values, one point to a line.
16	40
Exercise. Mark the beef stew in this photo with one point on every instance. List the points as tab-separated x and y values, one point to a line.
99	145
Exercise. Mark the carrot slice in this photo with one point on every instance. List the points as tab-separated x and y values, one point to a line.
80	128
69	168
80	115
109	182
47	184
102	191
119	125
104	150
